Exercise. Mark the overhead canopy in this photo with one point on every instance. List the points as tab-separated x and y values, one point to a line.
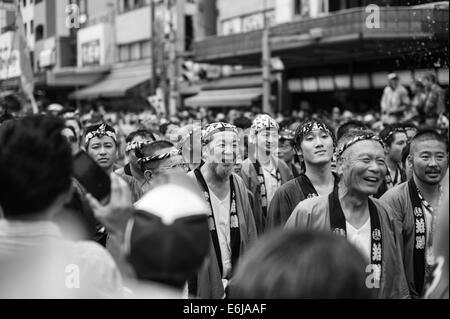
225	98
116	84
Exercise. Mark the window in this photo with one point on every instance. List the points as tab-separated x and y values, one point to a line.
146	49
301	8
124	53
127	5
135	51
39	32
32	26
25	27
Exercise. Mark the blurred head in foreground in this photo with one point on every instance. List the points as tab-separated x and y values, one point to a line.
167	240
301	265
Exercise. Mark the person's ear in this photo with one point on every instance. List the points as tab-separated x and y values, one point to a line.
148	175
410	160
340	166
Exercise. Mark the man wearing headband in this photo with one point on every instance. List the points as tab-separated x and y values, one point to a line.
231	222
415	204
262	172
395	139
134	140
157	159
101	144
350	211
287	153
315	141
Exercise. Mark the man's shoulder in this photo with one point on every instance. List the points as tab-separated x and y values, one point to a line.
287	187
395	193
313	206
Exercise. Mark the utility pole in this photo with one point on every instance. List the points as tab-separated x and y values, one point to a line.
153	48
266	63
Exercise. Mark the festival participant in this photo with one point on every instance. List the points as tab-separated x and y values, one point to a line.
101	144
177	231
156	158
133	141
262	172
414	205
394	139
315	141
36	259
351	212
438	287
287	152
231	220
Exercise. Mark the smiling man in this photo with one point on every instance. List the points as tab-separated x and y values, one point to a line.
231	222
365	222
414	205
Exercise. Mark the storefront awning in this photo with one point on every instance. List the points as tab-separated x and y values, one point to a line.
224	98
116	84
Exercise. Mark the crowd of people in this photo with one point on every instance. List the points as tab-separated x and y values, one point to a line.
242	205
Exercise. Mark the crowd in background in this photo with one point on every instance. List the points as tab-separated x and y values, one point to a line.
232	205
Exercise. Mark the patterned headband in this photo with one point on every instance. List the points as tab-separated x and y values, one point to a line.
100	132
359	138
263	122
392	132
131	146
287	135
154	158
312	126
214	128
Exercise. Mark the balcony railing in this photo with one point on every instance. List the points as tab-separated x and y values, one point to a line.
395	22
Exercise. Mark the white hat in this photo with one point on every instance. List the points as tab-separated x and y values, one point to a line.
392	76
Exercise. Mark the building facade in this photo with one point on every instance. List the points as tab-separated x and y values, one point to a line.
335	53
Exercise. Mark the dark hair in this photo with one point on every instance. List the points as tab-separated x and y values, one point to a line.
299	132
151	150
242	122
5	117
301	265
144	133
35	165
427	135
387	135
164	127
350	126
405	153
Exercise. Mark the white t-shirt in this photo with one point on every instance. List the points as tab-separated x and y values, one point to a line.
270	180
221	211
361	238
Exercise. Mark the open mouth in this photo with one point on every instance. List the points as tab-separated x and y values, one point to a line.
372	179
321	152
